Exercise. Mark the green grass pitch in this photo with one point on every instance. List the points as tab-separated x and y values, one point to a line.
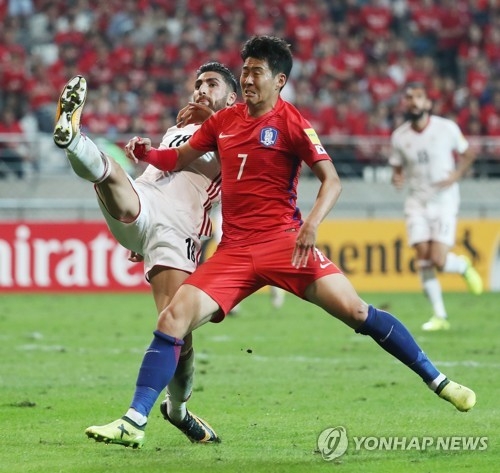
269	381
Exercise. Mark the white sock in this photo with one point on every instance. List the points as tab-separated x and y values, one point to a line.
180	387
454	264
433	385
87	160
432	288
137	417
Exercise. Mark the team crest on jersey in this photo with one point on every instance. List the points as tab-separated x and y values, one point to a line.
268	136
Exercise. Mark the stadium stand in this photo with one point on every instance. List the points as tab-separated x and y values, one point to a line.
351	59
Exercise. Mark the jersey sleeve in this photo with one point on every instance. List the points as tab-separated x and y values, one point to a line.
395	158
205	138
461	143
306	141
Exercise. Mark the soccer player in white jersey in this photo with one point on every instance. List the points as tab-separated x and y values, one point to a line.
161	216
423	155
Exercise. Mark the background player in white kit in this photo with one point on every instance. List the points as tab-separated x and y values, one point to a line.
423	151
160	216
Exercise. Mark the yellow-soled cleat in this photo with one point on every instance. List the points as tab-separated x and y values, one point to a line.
121	431
472	278
460	396
436	323
69	111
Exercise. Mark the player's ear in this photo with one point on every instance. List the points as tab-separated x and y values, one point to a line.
281	81
428	105
231	99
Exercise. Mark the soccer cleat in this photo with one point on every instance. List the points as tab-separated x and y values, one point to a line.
277	296
472	278
435	324
460	396
122	431
69	110
192	426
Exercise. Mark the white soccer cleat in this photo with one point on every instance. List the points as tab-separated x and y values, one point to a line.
69	110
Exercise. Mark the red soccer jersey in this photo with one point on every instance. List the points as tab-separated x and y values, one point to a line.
261	160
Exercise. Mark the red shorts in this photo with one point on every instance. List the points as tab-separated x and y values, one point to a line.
234	273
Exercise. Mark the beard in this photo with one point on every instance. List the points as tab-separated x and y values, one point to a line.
414	116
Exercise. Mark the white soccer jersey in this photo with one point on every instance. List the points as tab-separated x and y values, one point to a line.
203	173
175	209
427	158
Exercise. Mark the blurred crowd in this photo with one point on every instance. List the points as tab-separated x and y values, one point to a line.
351	59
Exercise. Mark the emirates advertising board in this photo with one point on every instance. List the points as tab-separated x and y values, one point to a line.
71	256
84	256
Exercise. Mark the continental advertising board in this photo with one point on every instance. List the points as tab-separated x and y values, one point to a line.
83	256
374	254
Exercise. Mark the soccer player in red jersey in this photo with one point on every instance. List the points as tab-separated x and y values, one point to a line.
262	144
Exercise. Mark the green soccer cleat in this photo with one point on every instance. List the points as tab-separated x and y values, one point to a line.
472	278
436	323
69	110
460	396
122	431
192	426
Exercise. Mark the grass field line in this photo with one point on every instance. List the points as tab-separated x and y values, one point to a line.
310	359
259	358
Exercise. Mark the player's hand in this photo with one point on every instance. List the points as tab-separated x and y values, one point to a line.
304	246
193	113
135	257
398	180
451	179
137	148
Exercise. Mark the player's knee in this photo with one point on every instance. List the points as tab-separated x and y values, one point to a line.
359	313
354	314
438	262
171	322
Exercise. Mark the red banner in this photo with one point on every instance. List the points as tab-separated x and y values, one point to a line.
82	256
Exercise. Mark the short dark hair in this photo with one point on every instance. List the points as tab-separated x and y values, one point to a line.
275	51
226	74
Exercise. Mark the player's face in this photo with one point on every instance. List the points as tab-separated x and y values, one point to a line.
211	90
258	86
415	103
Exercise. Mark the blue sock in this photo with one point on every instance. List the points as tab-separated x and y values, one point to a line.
157	369
394	338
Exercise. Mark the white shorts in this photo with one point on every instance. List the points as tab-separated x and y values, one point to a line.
168	229
431	224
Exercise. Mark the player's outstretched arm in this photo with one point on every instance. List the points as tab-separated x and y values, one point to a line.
328	195
168	159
